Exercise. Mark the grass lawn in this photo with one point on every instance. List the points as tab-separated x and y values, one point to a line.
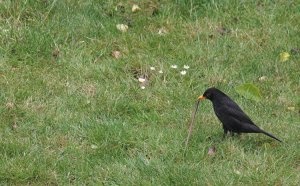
73	112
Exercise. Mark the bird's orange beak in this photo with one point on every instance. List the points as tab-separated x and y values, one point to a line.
201	97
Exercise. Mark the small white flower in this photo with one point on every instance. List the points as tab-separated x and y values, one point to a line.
160	72
142	80
152	68
174	66
122	27
262	78
94	146
237	172
186	67
143	87
162	31
183	72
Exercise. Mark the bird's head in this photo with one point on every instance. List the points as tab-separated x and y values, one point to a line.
210	94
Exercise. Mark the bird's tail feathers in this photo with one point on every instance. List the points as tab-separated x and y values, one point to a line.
270	135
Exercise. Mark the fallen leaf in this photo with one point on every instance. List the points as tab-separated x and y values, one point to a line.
291	108
135	8
116	54
249	91
284	56
212	151
122	27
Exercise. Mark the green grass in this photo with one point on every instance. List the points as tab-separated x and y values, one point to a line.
79	116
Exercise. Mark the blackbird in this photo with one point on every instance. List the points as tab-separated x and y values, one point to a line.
233	118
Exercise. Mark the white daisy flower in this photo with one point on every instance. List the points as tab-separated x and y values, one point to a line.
142	80
152	68
160	72
183	72
186	67
174	66
262	78
94	146
143	87
162	31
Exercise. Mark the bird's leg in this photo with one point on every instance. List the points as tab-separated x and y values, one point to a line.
225	132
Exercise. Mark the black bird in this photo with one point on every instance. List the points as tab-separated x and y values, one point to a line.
233	118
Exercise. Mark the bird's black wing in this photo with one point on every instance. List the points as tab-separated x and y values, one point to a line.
233	110
230	103
235	120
